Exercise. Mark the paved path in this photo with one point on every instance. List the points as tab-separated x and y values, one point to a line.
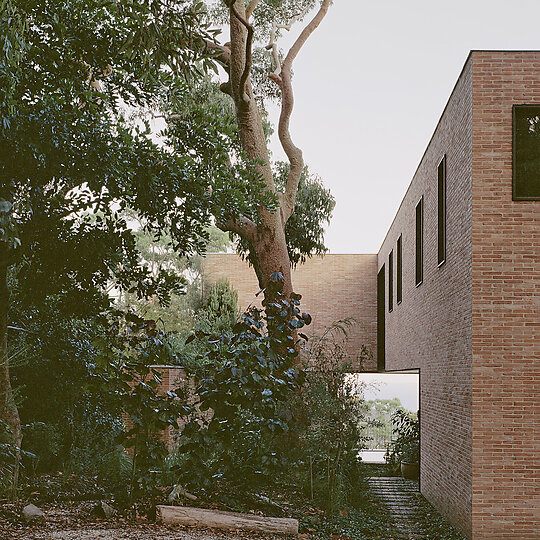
400	497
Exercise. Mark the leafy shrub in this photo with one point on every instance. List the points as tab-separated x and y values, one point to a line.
406	444
242	387
44	442
330	435
8	456
95	449
219	313
124	372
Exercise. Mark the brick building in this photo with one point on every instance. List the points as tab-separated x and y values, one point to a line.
465	248
457	280
328	294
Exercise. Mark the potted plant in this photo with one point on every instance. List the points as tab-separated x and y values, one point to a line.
410	460
403	453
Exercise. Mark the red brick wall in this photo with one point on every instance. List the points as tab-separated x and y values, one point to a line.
506	308
171	378
431	328
332	287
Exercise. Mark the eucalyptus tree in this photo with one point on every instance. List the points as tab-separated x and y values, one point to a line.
266	236
256	70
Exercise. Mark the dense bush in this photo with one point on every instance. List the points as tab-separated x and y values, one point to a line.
243	385
263	420
405	445
124	372
8	457
330	435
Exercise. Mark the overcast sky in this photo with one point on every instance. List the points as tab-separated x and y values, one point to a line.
370	86
391	385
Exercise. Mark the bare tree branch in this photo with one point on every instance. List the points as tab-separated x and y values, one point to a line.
251	8
294	154
242	226
249	43
169	117
306	32
223	52
272	45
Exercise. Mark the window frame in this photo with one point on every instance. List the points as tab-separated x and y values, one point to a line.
381	327
419	242
441	211
515	108
391	281
399	270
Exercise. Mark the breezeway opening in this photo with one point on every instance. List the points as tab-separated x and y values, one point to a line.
383	394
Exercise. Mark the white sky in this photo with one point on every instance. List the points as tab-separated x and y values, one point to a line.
370	86
390	385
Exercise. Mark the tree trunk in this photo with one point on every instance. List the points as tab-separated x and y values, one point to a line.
266	238
216	519
8	410
268	246
269	254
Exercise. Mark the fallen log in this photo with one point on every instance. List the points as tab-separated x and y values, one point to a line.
217	519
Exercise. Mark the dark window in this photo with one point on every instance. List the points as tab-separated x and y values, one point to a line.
391	281
420	241
380	320
441	212
399	277
526	153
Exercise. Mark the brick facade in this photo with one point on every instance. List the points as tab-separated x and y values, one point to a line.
506	307
431	329
333	287
471	327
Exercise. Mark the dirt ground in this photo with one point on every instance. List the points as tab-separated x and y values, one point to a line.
139	532
76	522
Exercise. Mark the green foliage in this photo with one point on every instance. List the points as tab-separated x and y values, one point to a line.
44	442
202	122
378	423
406	444
268	11
330	436
72	162
71	158
236	188
313	210
219	312
304	230
8	456
13	26
180	315
239	414
124	369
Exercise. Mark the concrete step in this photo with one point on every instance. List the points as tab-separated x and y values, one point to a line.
399	496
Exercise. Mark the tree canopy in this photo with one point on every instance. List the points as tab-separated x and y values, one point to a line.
73	159
79	161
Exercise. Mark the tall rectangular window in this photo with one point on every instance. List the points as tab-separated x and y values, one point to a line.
380	320
391	281
399	264
419	242
441	212
526	153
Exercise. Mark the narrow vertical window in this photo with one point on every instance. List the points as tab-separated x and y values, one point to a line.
399	264
420	241
391	281
441	212
380	320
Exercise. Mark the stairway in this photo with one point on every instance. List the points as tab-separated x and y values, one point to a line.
400	496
